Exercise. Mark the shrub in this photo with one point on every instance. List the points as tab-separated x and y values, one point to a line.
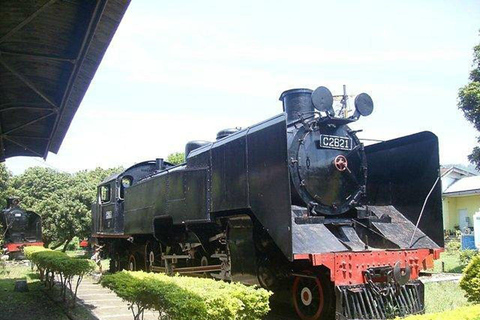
183	298
51	263
463	313
28	251
470	281
453	246
467	255
74	244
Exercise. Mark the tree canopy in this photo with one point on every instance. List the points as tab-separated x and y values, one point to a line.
5	189
469	102
176	158
63	200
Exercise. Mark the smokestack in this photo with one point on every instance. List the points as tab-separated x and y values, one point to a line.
159	164
296	103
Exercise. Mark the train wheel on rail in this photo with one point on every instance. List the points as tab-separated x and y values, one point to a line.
312	298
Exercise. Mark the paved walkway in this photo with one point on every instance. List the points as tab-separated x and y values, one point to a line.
442	277
104	303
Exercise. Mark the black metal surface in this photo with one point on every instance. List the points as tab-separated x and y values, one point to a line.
229	173
322	99
364	104
268	180
401	172
400	230
226	132
312	238
192	145
109	217
242	250
297	103
315	178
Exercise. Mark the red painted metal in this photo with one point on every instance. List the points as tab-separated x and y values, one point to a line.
347	268
15	247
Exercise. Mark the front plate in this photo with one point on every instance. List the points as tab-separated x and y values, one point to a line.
334	142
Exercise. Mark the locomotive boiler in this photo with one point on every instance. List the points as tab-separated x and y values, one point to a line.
296	204
20	228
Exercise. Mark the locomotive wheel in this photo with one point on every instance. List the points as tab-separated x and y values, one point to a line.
150	259
132	263
115	263
312	298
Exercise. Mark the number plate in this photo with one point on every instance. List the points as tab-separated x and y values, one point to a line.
335	142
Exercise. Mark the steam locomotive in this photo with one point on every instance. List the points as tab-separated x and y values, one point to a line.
20	228
296	204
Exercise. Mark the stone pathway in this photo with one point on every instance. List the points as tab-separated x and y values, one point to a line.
441	277
104	303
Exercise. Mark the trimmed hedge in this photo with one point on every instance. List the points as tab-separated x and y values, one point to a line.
463	313
55	263
29	251
470	282
188	298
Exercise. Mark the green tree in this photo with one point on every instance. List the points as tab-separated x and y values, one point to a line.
5	189
469	102
176	158
62	200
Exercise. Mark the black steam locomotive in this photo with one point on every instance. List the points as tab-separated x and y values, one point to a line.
296	204
20	228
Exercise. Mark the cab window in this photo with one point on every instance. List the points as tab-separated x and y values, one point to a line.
105	193
125	183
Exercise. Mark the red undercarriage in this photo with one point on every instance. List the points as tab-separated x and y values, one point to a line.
14	247
347	268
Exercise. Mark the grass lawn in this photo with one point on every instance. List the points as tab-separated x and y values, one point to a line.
451	262
34	304
442	296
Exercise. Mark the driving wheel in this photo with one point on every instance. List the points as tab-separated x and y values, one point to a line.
311	298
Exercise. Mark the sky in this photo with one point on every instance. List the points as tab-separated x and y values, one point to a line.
183	70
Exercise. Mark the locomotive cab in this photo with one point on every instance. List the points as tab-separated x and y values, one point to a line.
108	210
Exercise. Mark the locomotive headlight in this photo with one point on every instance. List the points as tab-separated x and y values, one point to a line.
322	100
364	104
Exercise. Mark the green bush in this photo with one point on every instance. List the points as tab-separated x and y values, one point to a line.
74	244
470	281
453	246
467	255
29	251
51	263
463	313
185	298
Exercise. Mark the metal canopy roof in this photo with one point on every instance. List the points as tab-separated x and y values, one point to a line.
49	52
